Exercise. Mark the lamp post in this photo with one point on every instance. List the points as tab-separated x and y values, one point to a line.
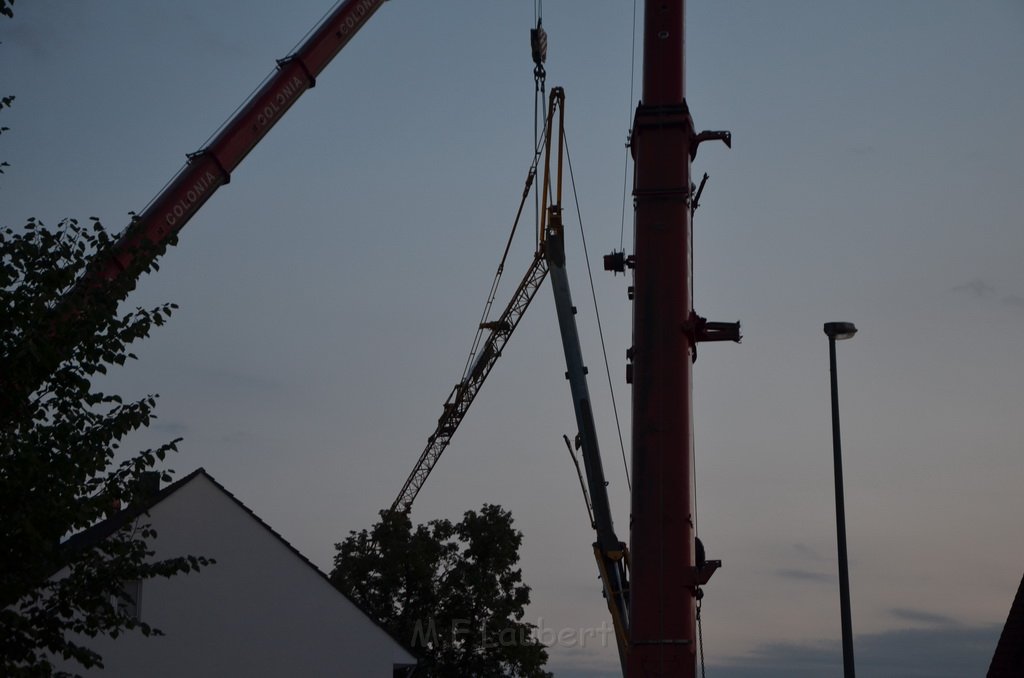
837	332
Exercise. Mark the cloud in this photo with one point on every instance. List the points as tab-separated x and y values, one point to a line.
173	428
28	38
237	437
583	673
922	617
952	651
227	379
809	553
806	575
1014	301
977	288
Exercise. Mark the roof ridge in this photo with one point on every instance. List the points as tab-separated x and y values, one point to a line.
93	535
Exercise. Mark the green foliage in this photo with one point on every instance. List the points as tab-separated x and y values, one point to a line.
5	102
451	592
58	473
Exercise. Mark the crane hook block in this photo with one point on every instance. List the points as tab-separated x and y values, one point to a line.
539	44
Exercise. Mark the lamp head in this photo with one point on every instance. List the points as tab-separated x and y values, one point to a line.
839	331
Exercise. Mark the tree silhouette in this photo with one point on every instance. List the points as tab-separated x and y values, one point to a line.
452	592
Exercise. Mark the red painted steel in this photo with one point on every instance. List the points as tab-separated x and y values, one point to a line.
113	274
664	79
211	167
663	603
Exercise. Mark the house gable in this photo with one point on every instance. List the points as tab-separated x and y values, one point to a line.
261	610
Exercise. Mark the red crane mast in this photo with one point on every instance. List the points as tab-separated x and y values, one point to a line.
666	567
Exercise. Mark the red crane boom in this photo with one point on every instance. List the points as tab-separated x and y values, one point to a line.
211	167
113	274
666	572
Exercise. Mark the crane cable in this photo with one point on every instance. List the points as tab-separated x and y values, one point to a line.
597	313
693	456
629	134
539	48
693	475
493	293
539	52
696	534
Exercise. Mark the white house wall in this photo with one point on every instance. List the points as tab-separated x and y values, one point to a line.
261	610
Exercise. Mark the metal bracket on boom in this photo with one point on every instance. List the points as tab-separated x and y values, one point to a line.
205	152
583	483
709	135
281	63
618	262
699	329
699	576
696	193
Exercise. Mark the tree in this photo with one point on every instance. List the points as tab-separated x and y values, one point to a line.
450	591
57	459
58	446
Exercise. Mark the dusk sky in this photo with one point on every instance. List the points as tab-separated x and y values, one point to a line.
329	294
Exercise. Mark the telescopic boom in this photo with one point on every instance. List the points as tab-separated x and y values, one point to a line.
113	274
210	167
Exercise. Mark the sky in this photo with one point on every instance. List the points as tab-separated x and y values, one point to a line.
328	295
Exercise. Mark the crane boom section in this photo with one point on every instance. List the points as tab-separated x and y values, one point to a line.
210	168
611	554
462	395
483	359
113	273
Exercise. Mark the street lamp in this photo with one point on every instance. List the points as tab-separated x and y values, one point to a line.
839	331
